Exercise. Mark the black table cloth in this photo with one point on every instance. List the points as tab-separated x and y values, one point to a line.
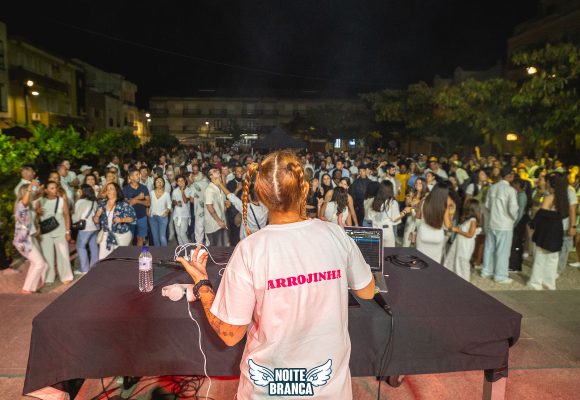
103	326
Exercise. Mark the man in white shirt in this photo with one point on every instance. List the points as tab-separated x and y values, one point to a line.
71	177
145	179
27	174
62	171
459	172
502	204
215	212
85	170
390	175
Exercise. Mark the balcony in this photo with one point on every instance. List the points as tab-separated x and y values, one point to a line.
188	112
22	75
159	112
218	112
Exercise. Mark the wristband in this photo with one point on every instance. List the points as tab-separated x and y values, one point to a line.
198	285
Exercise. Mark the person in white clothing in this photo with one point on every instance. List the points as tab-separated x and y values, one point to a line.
433	216
25	238
159	212
215	212
197	190
336	210
85	209
384	212
459	255
181	198
55	242
286	286
258	212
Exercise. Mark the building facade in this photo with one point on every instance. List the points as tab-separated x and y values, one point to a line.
4	81
197	119
558	21
43	87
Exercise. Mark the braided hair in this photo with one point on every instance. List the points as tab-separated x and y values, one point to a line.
278	182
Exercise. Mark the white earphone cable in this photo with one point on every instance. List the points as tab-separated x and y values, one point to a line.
200	349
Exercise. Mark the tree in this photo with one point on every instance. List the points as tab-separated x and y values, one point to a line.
107	143
549	99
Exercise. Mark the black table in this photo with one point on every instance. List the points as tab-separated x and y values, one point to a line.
103	326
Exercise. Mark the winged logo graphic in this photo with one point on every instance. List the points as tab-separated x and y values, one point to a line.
317	376
261	376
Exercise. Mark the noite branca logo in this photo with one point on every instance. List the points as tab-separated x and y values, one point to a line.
290	381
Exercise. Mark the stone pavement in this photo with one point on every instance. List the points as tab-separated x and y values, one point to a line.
545	363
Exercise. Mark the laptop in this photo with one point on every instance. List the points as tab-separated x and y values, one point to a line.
370	243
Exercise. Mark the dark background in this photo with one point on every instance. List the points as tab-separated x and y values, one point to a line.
352	46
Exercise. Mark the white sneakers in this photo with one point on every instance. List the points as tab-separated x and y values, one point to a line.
575	265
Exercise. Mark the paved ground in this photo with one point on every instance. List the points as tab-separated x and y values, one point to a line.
545	363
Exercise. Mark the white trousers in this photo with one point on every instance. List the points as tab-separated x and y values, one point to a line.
124	239
544	270
199	225
48	245
181	225
36	269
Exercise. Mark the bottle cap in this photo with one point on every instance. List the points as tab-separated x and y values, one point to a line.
145	248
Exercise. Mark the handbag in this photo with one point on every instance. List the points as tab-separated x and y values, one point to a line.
50	224
81	224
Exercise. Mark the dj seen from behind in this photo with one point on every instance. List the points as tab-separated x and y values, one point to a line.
287	287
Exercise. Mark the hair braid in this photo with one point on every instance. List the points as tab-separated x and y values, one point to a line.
304	186
251	170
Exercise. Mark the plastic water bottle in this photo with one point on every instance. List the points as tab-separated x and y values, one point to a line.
145	270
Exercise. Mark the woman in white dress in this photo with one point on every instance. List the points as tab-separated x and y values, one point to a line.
384	212
459	254
336	210
436	213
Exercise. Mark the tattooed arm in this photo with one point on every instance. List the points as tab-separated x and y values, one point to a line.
229	334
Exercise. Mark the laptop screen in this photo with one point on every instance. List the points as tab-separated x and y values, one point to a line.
370	243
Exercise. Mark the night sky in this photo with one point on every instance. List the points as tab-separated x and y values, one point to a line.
350	46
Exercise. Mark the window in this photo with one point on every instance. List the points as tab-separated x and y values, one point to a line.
2	60
217	123
111	122
3	98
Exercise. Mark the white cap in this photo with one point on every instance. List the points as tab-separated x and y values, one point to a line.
85	167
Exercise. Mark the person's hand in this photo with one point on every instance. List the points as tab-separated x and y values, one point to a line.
99	212
408	210
572	231
68	237
195	268
118	220
320	201
228	204
239	186
39	210
222	224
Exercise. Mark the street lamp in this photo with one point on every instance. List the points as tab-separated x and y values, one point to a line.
29	83
148	119
34	93
532	70
511	137
147	115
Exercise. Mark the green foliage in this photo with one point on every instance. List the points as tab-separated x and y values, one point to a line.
44	149
544	107
549	99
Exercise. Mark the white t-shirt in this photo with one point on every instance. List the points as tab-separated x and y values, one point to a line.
181	211
160	205
215	197
572	200
331	215
290	282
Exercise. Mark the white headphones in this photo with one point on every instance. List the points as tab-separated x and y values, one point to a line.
176	291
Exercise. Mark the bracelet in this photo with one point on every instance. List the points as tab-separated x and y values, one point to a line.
198	285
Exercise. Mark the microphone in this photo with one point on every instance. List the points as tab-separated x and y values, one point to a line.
380	300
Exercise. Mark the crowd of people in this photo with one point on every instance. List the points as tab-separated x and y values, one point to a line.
467	213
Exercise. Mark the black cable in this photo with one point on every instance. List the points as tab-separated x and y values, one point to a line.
407	261
387	353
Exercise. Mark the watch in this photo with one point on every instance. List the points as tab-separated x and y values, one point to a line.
198	285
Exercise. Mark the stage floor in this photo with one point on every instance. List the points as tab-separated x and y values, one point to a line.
545	363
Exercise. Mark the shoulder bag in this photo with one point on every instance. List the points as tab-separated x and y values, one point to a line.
50	224
81	224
